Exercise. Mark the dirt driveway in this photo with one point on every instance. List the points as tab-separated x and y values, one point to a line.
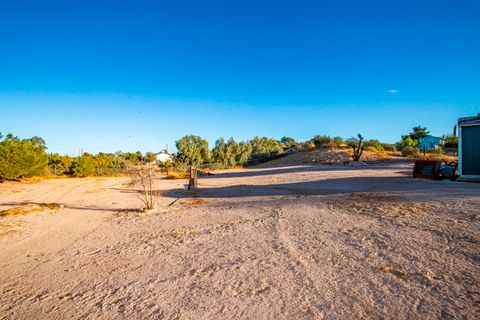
273	243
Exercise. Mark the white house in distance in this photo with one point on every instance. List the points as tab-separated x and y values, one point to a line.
469	148
163	156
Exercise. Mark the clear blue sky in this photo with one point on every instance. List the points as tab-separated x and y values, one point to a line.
137	75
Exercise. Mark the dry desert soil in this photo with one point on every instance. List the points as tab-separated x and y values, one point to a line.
303	242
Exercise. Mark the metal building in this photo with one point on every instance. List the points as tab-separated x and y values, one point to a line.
469	148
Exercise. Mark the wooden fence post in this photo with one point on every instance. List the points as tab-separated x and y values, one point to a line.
193	177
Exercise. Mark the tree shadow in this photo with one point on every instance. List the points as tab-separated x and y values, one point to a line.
403	185
252	172
66	206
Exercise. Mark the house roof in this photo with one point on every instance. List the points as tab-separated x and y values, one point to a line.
469	120
430	139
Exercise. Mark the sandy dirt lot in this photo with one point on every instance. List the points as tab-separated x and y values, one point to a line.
272	243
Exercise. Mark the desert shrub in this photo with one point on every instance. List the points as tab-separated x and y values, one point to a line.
338	141
265	147
150	157
176	175
407	141
165	165
389	147
409	151
435	151
133	158
143	177
288	142
351	142
244	152
374	143
310	146
83	166
107	164
21	158
322	141
450	141
60	164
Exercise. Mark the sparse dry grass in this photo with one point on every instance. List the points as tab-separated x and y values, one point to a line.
176	175
31	208
396	271
180	234
379	205
7	228
96	190
194	201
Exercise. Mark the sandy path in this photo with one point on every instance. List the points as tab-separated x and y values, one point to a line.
281	243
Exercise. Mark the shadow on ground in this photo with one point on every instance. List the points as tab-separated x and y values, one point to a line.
252	172
66	206
400	185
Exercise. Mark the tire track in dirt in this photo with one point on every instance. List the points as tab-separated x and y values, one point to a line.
299	265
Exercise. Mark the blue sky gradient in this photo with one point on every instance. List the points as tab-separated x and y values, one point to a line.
137	75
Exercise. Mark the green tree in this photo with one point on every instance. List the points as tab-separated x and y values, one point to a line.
338	141
450	141
288	142
321	140
83	166
193	150
150	157
60	164
375	144
225	153
244	153
407	141
417	133
22	157
265	147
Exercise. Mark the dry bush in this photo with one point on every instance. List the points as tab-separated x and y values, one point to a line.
31	208
410	151
396	271
176	175
9	227
143	177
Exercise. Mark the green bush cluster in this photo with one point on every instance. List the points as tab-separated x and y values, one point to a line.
22	158
231	153
325	141
194	150
101	164
27	157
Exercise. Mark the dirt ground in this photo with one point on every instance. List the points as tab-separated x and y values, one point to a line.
305	242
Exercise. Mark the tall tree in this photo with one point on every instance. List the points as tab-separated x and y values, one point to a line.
22	157
226	153
193	150
244	152
417	133
265	147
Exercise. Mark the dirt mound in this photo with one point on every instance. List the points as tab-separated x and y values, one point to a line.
331	156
